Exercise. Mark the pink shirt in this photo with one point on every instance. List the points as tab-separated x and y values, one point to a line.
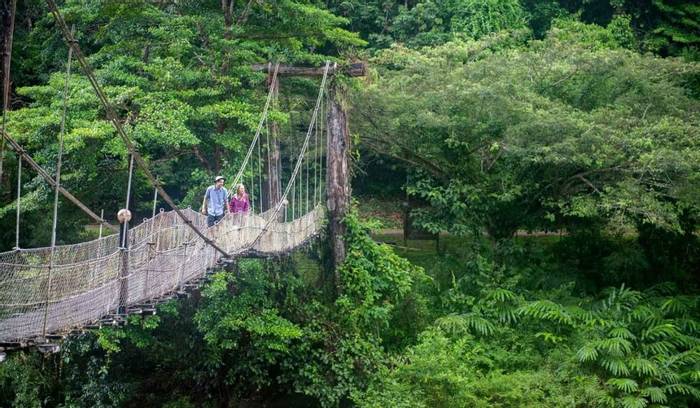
239	205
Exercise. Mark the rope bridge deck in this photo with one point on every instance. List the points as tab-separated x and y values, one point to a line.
86	282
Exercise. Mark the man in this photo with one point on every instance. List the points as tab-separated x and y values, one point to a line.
215	205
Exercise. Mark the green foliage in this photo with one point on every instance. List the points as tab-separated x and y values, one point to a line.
568	130
435	22
644	345
373	279
500	115
676	27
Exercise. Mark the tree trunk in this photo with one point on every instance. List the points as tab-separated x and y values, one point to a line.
337	178
227	9
8	23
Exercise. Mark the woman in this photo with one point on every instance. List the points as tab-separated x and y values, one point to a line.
239	201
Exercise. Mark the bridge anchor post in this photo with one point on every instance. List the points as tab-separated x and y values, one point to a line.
337	178
124	216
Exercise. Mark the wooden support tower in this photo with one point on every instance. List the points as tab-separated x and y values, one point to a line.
338	156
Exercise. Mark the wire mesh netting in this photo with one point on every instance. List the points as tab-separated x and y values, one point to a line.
84	282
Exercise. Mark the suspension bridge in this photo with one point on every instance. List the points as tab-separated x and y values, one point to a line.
45	293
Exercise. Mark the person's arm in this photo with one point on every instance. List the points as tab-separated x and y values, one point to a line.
226	202
246	207
205	203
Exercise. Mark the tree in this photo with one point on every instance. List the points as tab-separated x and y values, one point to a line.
564	130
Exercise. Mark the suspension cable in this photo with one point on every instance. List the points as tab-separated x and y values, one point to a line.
128	198
153	213
102	214
155	202
19	199
269	160
324	126
260	189
112	116
250	187
278	185
306	199
298	163
316	158
324	166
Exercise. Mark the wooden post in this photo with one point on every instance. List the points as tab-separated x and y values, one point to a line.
337	176
124	216
272	189
183	264
123	275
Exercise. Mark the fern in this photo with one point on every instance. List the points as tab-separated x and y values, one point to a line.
643	367
587	353
655	394
622	299
682	389
458	324
679	305
660	331
691	357
658	347
479	324
453	324
627	385
615	365
694	375
689	325
642	313
633	402
662	289
501	295
508	316
647	345
616	346
547	310
622	332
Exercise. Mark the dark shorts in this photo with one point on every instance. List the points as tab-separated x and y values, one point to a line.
213	219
